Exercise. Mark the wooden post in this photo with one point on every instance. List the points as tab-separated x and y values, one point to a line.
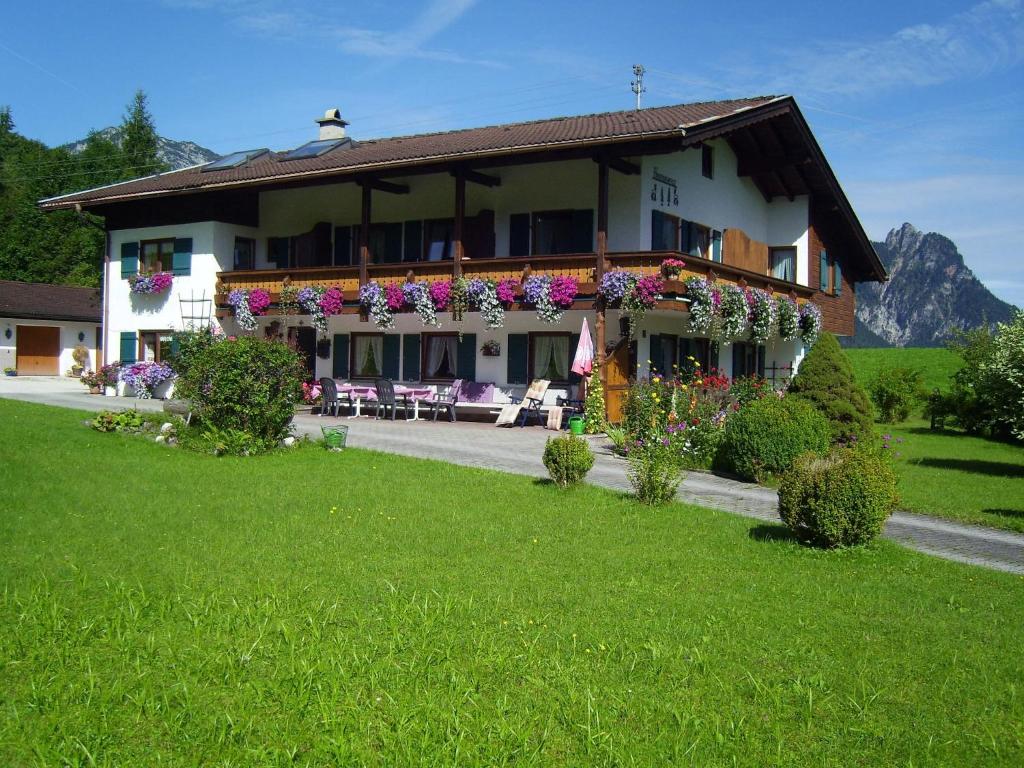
602	250
364	235
460	214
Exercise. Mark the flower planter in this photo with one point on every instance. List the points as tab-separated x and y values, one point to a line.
94	390
164	390
10	373
110	391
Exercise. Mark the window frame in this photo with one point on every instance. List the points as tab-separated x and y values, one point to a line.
707	161
678	227
535	215
157	355
352	367
252	256
448	249
531	374
424	348
160	242
771	261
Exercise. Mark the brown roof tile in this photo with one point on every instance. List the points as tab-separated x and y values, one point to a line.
49	302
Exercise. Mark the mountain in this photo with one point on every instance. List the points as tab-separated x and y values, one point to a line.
177	154
930	292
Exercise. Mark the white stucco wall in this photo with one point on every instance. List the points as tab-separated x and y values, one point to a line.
68	341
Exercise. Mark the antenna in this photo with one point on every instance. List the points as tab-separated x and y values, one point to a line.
637	86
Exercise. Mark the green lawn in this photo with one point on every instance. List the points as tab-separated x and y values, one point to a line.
305	608
935	364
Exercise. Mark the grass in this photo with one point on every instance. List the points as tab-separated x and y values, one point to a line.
304	608
948	473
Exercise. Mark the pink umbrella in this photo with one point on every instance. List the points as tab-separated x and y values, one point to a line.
583	363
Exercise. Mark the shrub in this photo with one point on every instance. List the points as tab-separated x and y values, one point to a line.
655	471
247	384
1004	375
593	409
746	389
223	442
118	421
838	501
766	436
188	345
568	459
825	380
617	436
897	392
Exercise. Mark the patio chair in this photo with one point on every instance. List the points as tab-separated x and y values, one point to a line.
522	408
386	398
446	403
329	398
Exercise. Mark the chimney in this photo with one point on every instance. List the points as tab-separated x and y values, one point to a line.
331	124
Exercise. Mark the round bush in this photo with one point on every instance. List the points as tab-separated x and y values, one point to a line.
568	459
766	436
655	471
247	384
841	500
896	392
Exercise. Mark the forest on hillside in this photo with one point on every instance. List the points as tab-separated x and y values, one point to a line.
64	247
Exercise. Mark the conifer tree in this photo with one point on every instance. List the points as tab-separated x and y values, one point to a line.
139	138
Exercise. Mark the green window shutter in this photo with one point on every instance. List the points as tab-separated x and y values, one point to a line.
823	271
837	278
518	355
760	360
413	241
129	259
277	251
654	354
738	367
392	243
342	246
175	346
714	354
583	231
411	357
689	242
129	346
339	368
657	241
392	352
465	365
181	262
519	234
574	342
683	351
716	246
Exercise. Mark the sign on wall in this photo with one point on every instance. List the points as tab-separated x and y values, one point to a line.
664	191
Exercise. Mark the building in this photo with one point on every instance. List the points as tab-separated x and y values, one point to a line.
41	325
739	190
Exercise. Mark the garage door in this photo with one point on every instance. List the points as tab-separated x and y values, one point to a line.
38	350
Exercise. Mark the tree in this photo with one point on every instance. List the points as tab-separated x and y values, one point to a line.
1003	376
139	139
825	380
6	120
593	410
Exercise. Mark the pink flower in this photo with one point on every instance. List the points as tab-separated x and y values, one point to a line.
259	300
160	282
506	290
441	294
331	302
562	291
395	296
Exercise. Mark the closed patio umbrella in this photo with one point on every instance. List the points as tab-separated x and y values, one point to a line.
583	362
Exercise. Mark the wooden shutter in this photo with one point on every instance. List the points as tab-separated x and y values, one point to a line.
277	251
837	278
339	363
323	253
129	259
738	361
413	241
465	367
129	346
392	243
654	354
411	357
518	357
687	239
519	234
716	246
181	261
392	349
823	271
583	231
342	246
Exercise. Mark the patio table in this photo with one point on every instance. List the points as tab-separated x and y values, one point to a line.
416	394
359	392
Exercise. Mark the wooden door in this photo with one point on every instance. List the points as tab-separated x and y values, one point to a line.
617	372
38	350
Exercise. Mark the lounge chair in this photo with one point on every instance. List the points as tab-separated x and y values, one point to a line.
521	409
446	403
386	398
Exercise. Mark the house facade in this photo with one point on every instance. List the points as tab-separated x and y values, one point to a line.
41	326
737	190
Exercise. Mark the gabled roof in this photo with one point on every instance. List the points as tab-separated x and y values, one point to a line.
42	301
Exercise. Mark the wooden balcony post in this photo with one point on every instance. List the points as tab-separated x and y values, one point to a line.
460	214
602	252
364	235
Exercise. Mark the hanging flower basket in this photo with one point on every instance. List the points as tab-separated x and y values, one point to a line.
550	295
149	284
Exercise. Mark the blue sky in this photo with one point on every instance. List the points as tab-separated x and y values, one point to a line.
918	105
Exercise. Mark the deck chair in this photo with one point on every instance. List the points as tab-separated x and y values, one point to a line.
521	409
386	398
446	403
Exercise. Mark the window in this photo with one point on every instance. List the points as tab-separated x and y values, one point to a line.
703	351
156	346
385	243
782	263
700	241
245	253
664	348
440	356
747	359
439	239
156	255
367	355
552	232
707	161
549	356
664	232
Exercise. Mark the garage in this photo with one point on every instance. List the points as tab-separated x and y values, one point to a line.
38	349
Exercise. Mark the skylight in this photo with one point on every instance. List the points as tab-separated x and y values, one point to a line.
314	149
234	160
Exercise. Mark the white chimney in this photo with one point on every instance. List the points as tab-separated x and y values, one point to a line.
331	124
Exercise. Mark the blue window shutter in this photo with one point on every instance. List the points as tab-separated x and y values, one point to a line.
411	357
823	271
181	262
518	356
129	346
465	366
716	246
339	368
655	353
392	352
689	242
519	234
837	278
129	259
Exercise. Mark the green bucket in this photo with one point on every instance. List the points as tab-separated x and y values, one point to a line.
334	437
576	425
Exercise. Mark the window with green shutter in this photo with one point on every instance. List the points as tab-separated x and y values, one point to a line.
654	353
413	235
129	260
823	272
466	366
519	235
181	261
716	246
339	368
342	246
837	278
518	358
392	354
411	357
129	346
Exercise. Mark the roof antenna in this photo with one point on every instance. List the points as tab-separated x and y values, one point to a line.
637	85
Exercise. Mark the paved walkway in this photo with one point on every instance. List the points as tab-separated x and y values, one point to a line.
519	451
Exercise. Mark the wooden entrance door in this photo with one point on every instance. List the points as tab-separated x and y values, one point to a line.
38	350
618	368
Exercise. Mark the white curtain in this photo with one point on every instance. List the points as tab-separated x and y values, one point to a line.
551	357
369	355
783	262
442	356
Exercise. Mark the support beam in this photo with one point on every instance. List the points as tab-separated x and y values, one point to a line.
602	253
777	176
385	186
770	163
618	164
364	235
477	178
460	215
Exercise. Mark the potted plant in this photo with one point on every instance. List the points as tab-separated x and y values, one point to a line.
93	381
109	375
8	371
491	348
672	268
80	354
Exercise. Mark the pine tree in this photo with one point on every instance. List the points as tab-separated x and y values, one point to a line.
825	379
6	120
139	138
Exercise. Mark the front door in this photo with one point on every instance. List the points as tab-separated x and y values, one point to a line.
303	340
618	368
38	350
